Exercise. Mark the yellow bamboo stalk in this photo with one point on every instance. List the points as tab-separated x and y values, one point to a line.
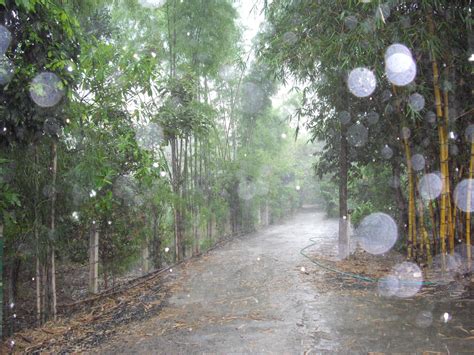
468	203
425	239
450	226
411	241
441	135
411	204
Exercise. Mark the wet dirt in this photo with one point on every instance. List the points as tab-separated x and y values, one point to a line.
258	294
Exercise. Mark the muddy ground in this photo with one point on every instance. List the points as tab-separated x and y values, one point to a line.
258	294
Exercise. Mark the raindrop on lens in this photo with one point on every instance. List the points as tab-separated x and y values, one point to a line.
382	12
424	319
377	233
344	117
227	72
386	95
410	279
387	152
6	70
361	82
454	149
464	195
357	135
372	117
430	117
252	98
416	102
394	182
406	133
388	285
152	4
351	22
46	89
149	136
5	39
400	66
290	38
430	186
418	162
469	134
247	190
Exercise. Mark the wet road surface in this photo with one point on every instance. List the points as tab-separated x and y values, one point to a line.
252	296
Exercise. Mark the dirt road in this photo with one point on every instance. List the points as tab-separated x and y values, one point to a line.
252	296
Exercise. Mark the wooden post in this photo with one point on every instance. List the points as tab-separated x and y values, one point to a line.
94	261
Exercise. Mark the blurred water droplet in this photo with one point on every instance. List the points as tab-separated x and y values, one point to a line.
227	73
252	98
410	279
290	38
51	127
388	285
361	82
430	186
464	195
344	117
418	162
6	70
357	135
387	152
400	66
377	233
372	117
46	89
351	22
469	134
406	132
149	136
424	319
5	39
382	12
152	4
430	117
246	190
416	102
394	182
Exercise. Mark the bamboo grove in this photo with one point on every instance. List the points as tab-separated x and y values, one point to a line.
319	43
134	134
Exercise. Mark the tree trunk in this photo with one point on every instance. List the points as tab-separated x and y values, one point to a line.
54	168
39	302
343	170
468	205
